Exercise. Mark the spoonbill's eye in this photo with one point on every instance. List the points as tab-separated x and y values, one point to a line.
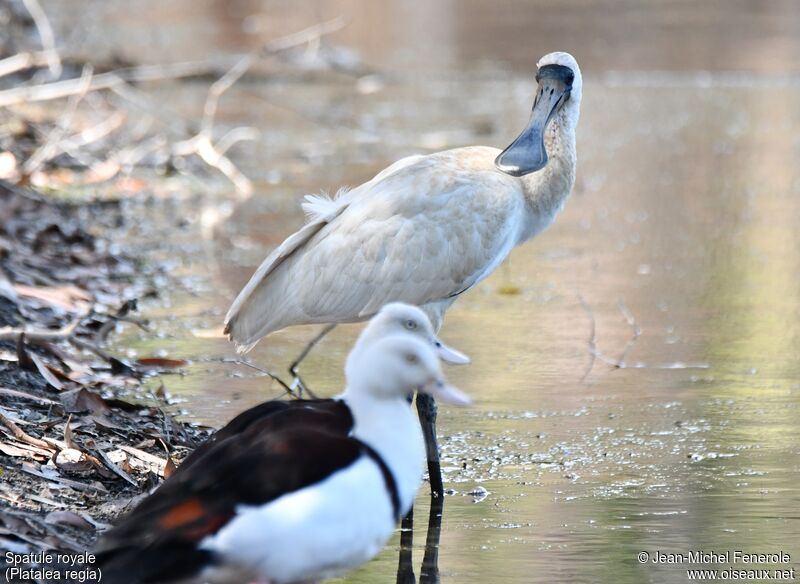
438	344
411	358
411	325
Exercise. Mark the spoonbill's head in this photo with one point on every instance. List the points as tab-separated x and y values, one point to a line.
556	105
398	317
395	365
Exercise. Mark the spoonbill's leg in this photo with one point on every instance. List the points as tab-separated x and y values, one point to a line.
426	408
429	573
297	382
405	564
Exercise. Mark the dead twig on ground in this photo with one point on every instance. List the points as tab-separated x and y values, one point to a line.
294	368
50	148
266	372
203	144
42	24
22	436
67	87
212	150
39	336
67	333
26	60
93	133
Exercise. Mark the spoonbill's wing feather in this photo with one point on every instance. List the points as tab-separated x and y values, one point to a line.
410	242
245	321
419	234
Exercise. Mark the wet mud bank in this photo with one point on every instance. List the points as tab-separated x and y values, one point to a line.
86	427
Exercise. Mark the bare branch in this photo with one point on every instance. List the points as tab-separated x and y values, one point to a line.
266	372
306	36
203	145
20	435
22	61
46	35
94	133
67	87
49	149
234	136
39	337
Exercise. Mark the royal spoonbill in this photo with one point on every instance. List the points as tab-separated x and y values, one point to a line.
423	231
295	504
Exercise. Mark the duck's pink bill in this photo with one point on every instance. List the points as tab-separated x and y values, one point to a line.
448	394
450	355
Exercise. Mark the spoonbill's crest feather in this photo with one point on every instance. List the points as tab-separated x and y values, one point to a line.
317	207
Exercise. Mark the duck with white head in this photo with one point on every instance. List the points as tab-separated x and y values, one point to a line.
292	503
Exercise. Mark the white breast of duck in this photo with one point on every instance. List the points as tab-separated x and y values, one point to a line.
333	525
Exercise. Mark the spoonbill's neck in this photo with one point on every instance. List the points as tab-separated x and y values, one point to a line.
392	430
547	190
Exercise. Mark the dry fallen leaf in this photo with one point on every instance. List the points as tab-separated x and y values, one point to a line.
142	461
24	451
68	433
67	518
83	400
73	461
45	372
69	298
169	468
161	362
26	396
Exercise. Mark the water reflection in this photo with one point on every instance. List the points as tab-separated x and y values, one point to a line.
686	209
429	569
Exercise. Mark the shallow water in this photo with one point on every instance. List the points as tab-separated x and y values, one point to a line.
679	248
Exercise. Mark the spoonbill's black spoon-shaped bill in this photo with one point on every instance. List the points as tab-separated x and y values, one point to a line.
527	153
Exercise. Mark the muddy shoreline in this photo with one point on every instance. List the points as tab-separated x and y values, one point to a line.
83	435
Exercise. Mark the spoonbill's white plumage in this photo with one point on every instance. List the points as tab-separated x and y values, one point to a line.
422	231
296	504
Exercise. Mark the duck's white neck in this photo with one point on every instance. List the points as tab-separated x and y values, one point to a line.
547	190
389	426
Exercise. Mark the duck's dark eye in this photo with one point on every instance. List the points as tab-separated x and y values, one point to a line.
411	325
